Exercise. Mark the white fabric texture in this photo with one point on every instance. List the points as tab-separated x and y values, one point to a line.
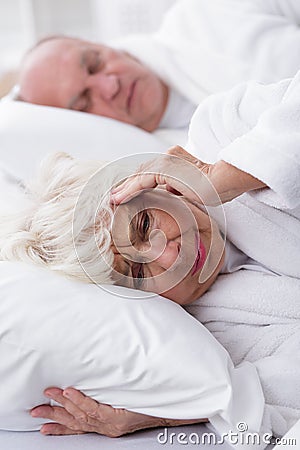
249	39
143	440
178	112
235	260
256	316
203	47
29	132
236	126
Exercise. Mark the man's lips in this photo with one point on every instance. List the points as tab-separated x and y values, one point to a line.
201	255
130	95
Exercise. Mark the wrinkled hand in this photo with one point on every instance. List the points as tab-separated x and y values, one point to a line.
81	414
225	182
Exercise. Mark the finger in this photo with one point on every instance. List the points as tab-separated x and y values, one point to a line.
58	429
119	187
183	154
56	394
73	410
133	187
63	417
172	190
55	413
109	421
97	417
88	405
177	150
129	180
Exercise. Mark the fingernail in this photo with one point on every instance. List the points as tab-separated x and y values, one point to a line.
34	413
66	394
114	200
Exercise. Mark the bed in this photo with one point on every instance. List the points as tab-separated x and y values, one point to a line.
140	440
23	133
12	440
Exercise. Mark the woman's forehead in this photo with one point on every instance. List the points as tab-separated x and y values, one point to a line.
154	199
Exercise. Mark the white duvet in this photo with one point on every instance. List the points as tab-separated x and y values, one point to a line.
206	46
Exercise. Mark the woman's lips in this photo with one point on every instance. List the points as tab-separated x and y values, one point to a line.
200	257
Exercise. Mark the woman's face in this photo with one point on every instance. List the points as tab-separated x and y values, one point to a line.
164	244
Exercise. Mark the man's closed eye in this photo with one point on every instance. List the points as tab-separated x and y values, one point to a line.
84	102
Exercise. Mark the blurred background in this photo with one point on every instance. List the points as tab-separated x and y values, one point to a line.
23	22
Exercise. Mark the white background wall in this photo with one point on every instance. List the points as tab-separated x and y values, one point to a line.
22	22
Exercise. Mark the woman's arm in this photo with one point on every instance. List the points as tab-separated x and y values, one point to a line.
176	171
249	138
255	128
81	414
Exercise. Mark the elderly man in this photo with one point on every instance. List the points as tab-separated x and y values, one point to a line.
83	76
157	80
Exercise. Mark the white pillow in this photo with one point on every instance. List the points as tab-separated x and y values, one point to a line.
145	354
29	132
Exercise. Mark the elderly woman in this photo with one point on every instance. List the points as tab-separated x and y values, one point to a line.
155	231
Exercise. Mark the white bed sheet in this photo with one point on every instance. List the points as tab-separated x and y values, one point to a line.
172	136
12	440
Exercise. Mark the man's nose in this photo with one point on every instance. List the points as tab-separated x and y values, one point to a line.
106	85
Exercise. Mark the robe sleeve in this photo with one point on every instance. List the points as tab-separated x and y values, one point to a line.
256	128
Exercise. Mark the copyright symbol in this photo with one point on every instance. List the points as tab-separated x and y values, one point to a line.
242	426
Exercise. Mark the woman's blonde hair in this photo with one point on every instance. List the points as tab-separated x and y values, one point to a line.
64	221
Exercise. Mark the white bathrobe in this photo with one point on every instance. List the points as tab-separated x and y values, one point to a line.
205	46
256	316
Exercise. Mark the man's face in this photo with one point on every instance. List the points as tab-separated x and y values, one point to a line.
83	76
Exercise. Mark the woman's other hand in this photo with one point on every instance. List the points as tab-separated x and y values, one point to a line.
81	414
228	181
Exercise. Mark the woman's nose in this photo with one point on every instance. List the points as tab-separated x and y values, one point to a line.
164	257
105	85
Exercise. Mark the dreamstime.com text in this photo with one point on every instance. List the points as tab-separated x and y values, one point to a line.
239	437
